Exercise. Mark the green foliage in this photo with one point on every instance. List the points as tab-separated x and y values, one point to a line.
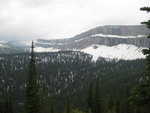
8	105
145	9
140	97
110	105
117	106
52	108
94	99
68	106
77	111
97	98
90	98
32	88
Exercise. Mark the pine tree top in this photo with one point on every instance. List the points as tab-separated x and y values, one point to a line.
145	9
32	52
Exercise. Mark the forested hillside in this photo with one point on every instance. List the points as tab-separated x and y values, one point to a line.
68	74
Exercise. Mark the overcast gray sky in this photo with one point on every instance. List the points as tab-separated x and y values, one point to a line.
51	19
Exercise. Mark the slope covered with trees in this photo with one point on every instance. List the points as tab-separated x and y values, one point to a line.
69	74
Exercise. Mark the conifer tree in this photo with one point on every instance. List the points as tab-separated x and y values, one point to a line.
141	94
68	106
90	98
110	104
52	108
127	103
44	99
32	87
117	107
147	51
94	99
8	102
97	98
8	105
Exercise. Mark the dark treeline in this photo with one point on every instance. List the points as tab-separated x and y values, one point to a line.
69	82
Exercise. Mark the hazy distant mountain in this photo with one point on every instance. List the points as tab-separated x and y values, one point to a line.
122	42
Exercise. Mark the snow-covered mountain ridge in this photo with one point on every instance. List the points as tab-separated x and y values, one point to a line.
114	42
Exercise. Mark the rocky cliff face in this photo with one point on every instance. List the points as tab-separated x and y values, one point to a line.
81	44
105	35
114	39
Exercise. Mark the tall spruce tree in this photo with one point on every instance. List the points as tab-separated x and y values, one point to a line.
147	51
97	97
140	97
117	107
90	98
110	104
32	87
52	108
8	105
68	105
94	98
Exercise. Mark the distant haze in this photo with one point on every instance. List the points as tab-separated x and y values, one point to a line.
51	19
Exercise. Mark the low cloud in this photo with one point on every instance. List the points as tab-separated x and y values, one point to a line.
30	19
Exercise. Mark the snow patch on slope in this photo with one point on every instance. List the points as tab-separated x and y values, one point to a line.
118	36
41	49
27	42
2	43
79	40
121	51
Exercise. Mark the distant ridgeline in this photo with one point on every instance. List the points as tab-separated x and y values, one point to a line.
68	73
116	41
